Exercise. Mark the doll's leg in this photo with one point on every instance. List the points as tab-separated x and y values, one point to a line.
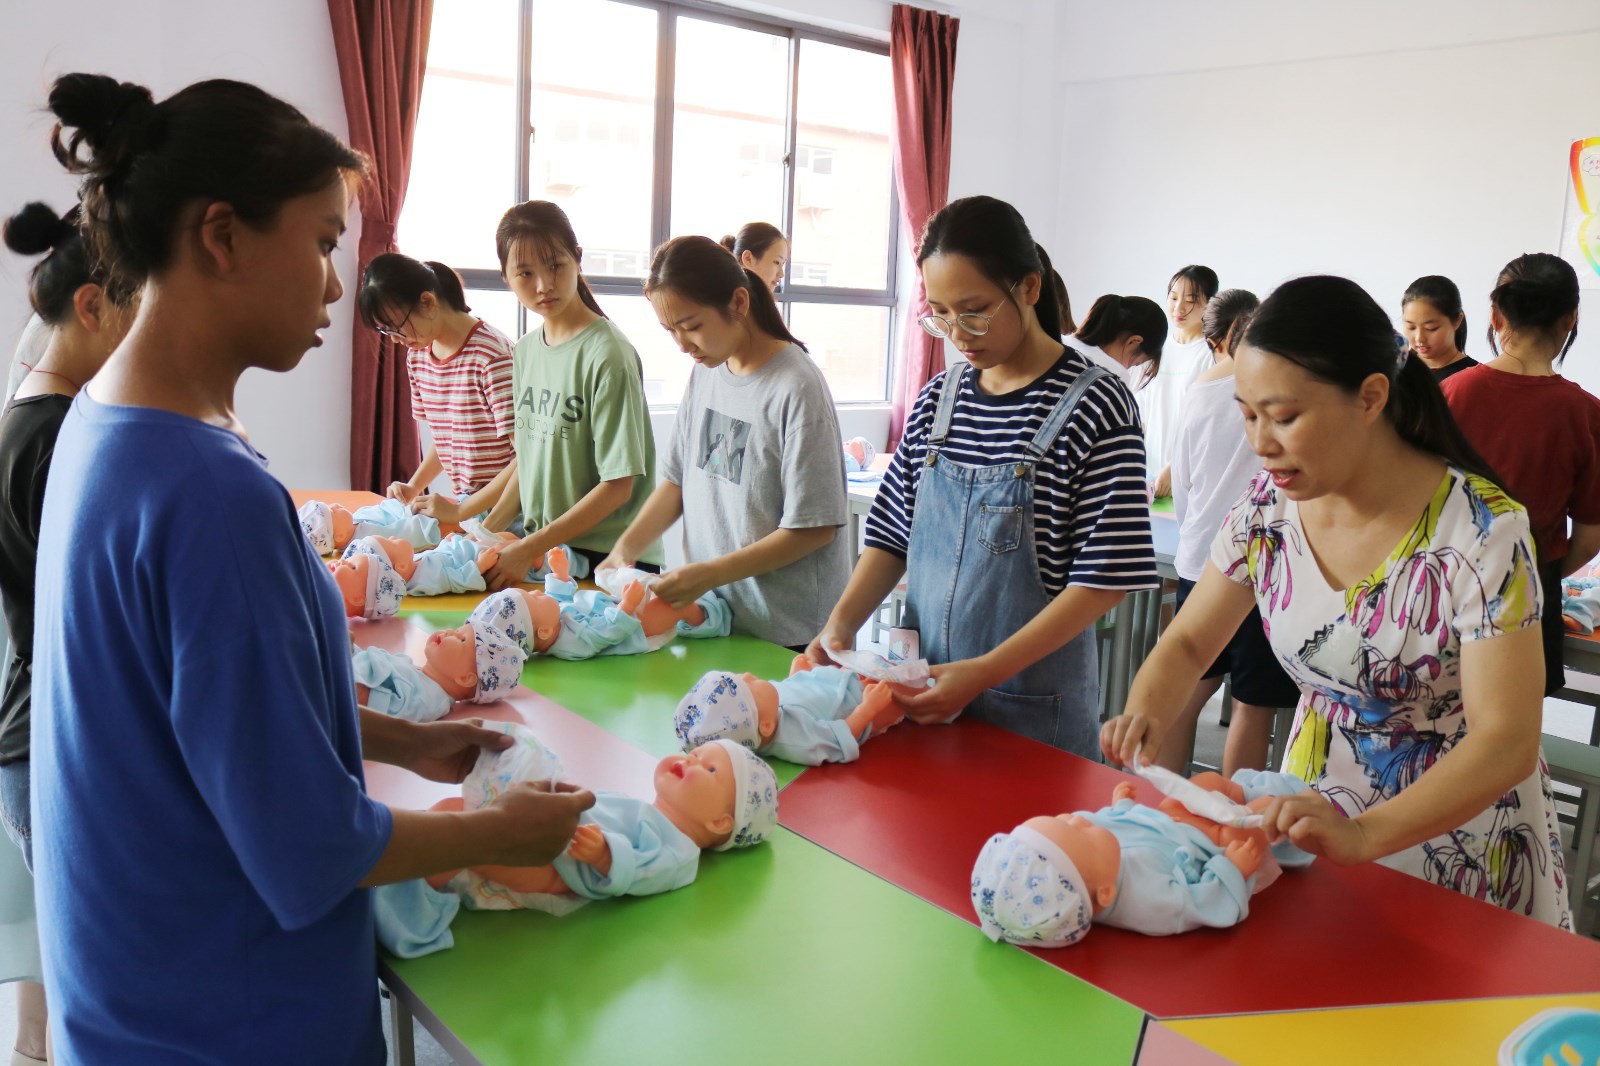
801	662
1215	782
655	614
632	598
556	561
524	878
452	803
876	712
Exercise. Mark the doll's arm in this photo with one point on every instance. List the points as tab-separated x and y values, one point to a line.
1123	791
590	848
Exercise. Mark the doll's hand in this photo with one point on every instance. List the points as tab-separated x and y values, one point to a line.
589	846
1126	734
439	506
1161	487
1123	791
1245	853
682	585
955	685
537	822
1308	821
402	491
447	751
516	559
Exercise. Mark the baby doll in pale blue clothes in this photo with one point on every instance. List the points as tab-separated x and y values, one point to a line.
371	565
569	624
718	796
1152	870
330	526
473	663
817	714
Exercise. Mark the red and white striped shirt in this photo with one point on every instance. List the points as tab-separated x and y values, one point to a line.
466	401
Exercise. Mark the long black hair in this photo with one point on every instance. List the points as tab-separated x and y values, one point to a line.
1535	292
55	279
143	162
1226	317
702	272
992	234
542	223
753	237
1333	330
1113	316
1440	293
395	281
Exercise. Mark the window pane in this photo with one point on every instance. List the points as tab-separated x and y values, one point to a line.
496	307
842	166
464	158
728	128
594	93
850	344
666	370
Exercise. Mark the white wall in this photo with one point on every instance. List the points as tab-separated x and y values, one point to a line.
1376	140
300	420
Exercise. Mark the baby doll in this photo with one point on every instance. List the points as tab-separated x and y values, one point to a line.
330	527
479	665
375	573
1153	870
588	624
718	796
817	714
858	455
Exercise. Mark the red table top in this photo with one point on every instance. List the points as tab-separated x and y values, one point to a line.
922	800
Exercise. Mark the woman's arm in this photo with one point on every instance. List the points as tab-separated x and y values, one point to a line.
876	574
685	584
446	509
598	504
406	491
1196	636
663	507
1502	689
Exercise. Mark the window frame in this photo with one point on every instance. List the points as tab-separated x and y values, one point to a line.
667	14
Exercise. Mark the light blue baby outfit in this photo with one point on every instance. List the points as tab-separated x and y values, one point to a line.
414	919
648	853
812	706
391	518
451	567
593	623
399	687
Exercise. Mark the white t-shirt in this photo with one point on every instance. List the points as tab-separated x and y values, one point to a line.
1098	357
35	339
1161	401
1212	465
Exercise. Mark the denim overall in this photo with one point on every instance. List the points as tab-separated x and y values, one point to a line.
973	581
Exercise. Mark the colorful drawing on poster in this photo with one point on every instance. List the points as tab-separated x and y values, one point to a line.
1580	229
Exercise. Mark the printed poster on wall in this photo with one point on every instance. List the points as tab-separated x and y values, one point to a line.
1580	230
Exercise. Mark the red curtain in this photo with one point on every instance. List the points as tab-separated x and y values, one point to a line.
922	58
382	47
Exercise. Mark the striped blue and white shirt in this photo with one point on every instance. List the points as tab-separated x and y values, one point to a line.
1091	504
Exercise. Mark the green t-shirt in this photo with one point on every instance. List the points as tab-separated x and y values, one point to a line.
581	420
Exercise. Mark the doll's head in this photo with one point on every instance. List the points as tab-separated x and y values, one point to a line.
401	555
1042	884
721	795
472	665
328	526
368	582
723	706
532	620
858	454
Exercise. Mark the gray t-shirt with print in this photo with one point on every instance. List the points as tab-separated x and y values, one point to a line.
752	454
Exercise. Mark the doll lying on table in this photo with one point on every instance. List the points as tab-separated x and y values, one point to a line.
815	715
718	796
374	569
1152	870
467	663
582	625
330	527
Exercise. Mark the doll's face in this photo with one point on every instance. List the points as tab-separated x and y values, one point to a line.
351	577
699	788
398	549
344	525
452	655
545	612
766	696
1092	849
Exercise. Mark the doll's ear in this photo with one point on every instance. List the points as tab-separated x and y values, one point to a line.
547	632
1104	895
468	680
721	825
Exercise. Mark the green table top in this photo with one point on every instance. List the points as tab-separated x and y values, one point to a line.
780	954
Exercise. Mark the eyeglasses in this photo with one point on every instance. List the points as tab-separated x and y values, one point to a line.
970	321
397	333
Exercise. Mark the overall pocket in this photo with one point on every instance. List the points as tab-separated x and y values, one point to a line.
999	528
1035	717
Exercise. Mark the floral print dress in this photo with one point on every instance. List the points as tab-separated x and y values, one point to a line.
1379	670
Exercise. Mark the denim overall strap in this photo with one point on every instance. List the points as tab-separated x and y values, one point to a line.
949	392
973	581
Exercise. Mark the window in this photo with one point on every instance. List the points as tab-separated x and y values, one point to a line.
646	120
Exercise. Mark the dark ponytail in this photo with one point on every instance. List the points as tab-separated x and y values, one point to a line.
1226	318
701	271
1535	292
395	283
546	226
1063	301
55	279
1113	317
1334	331
992	234
753	237
1440	293
143	162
